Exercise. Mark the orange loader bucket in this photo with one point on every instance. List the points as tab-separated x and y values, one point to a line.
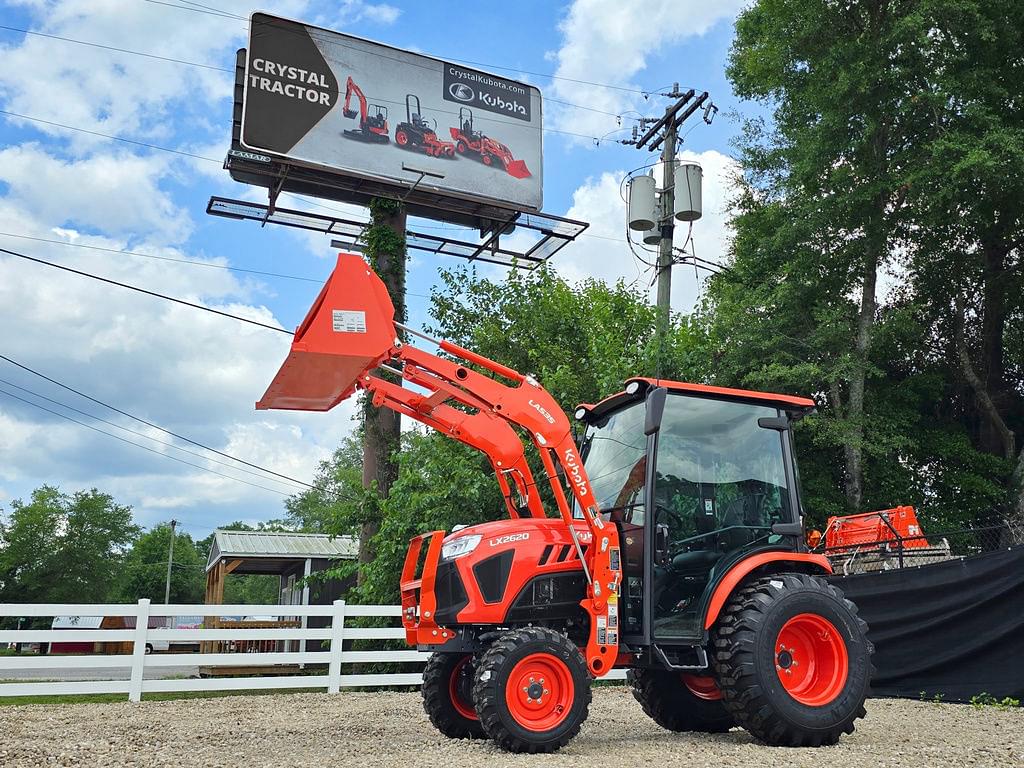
518	169
349	331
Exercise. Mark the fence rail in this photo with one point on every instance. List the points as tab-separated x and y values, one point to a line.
299	668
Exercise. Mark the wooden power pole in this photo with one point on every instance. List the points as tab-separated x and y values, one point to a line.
385	248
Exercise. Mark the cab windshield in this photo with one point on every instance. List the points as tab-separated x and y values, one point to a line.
716	466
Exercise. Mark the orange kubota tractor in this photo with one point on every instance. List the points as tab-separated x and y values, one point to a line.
677	554
490	151
372	127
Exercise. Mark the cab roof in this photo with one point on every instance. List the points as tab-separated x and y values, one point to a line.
792	402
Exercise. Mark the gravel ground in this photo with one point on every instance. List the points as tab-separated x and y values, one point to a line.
379	730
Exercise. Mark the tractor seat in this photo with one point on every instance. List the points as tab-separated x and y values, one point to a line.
698	561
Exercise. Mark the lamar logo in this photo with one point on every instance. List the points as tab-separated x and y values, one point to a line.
461	92
540	409
572	462
511	538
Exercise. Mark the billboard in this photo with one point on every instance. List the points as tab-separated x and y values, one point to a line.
359	108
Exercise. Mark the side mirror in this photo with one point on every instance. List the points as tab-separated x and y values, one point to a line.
655	410
660	543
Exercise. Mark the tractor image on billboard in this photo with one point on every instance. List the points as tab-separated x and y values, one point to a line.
674	548
419	133
488	150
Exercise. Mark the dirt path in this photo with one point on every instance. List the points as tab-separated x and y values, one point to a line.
380	730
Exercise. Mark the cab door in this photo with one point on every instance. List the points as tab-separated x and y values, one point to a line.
719	484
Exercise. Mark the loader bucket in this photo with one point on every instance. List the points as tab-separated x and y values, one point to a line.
349	330
518	169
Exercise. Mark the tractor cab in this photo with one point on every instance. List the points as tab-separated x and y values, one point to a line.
696	479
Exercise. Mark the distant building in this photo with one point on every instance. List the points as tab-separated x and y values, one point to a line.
292	557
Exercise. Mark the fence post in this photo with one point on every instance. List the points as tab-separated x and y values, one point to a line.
337	634
139	650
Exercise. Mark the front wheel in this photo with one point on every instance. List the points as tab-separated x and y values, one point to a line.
793	660
532	690
679	702
448	696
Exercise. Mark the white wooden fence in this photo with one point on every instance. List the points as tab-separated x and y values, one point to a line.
138	661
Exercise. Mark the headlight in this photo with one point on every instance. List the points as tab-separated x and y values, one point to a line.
460	546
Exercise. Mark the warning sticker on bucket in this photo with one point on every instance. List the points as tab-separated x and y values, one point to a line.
349	321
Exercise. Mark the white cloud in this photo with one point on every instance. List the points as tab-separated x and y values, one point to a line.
603	253
608	41
118	192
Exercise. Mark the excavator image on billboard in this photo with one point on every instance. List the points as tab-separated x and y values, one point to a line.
372	127
673	548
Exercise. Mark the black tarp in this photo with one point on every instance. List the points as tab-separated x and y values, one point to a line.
953	629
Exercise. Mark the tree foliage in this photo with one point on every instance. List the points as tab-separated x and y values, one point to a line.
63	548
865	225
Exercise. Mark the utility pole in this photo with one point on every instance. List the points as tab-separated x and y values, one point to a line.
665	255
170	562
664	132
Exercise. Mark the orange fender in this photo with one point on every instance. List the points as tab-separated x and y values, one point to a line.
743	568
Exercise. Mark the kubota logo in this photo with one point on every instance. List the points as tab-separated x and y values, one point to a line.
572	462
540	409
461	91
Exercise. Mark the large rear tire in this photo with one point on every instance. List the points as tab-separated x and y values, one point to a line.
793	660
667	699
448	698
532	690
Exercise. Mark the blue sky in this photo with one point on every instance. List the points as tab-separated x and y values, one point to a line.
192	372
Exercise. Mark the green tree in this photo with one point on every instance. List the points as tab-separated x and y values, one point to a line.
64	548
145	568
849	179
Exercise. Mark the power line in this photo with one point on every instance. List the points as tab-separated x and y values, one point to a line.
151	424
147	292
223	69
192	262
110	136
211	11
114	48
141	434
139	445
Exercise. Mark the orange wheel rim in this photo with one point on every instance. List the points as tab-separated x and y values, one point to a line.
458	691
702	686
811	659
540	692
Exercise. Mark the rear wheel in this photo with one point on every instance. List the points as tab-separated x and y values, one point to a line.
532	690
401	138
680	702
793	660
448	695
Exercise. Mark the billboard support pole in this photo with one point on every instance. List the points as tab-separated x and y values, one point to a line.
386	252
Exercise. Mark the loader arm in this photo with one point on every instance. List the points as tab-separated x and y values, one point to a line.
482	430
350	331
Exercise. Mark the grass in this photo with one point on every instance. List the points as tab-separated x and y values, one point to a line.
107	698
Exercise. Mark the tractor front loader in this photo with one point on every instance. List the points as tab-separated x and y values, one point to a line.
678	552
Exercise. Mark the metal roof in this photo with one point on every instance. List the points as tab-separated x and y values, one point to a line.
297	546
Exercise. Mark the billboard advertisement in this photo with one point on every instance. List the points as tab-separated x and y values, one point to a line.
364	109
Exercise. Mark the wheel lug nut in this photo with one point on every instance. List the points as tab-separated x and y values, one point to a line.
545	691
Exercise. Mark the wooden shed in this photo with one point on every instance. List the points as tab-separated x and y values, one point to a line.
292	557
